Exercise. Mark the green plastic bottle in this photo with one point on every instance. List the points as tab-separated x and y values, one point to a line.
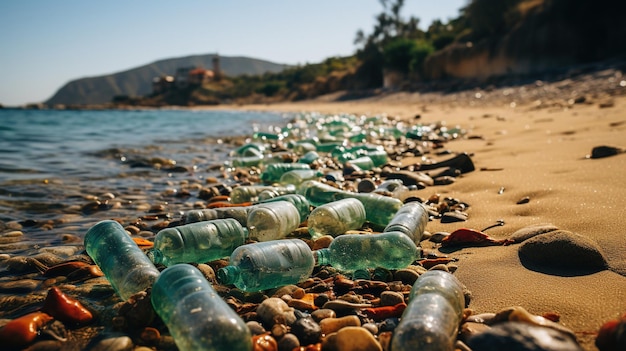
352	252
298	176
250	193
432	317
411	220
123	263
364	162
197	242
337	217
301	203
309	157
272	220
268	265
379	210
240	213
274	171
195	315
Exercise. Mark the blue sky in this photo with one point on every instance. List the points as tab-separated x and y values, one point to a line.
45	44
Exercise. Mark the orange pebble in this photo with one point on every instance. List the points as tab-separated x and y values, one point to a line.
264	342
384	312
143	243
23	330
65	308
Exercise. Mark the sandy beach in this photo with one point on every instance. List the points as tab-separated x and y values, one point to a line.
536	150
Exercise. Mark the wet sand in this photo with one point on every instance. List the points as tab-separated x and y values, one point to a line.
537	151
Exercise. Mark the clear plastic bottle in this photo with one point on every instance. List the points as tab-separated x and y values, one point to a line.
352	252
250	193
411	220
123	263
301	203
240	213
297	176
309	157
364	162
272	220
195	315
273	172
197	242
337	217
379	210
268	265
431	319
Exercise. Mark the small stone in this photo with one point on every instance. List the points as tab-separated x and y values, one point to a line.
524	200
469	329
323	313
454	216
561	250
351	339
274	310
114	343
255	327
604	151
331	325
522	337
322	242
264	342
391	298
371	327
438	237
307	330
342	305
366	186
406	276
22	286
288	342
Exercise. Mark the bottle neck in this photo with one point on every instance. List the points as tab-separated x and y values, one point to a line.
155	255
228	275
322	257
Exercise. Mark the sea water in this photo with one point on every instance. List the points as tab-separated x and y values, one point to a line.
53	163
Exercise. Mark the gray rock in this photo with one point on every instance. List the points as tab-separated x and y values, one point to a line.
562	252
288	342
307	330
391	298
514	336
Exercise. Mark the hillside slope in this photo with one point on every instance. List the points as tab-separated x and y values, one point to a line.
138	81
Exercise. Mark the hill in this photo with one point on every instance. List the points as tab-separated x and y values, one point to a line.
138	81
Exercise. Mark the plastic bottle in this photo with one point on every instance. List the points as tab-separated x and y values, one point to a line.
272	220
432	317
309	157
240	213
364	162
301	203
379	210
268	265
273	172
195	315
249	149
197	242
123	263
249	193
351	252
337	217
411	220
297	176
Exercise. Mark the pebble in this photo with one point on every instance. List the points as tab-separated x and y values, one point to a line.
307	330
406	276
23	286
351	339
366	186
113	343
274	310
331	325
560	250
454	216
264	342
391	298
522	337
288	342
323	313
256	328
342	305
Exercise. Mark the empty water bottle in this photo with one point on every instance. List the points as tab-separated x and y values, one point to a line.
364	162
379	210
309	157
298	176
432	317
268	265
352	252
123	263
240	213
337	217
301	203
272	220
195	315
250	193
273	172
197	242
411	220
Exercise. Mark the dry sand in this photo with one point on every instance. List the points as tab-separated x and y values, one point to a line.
539	153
